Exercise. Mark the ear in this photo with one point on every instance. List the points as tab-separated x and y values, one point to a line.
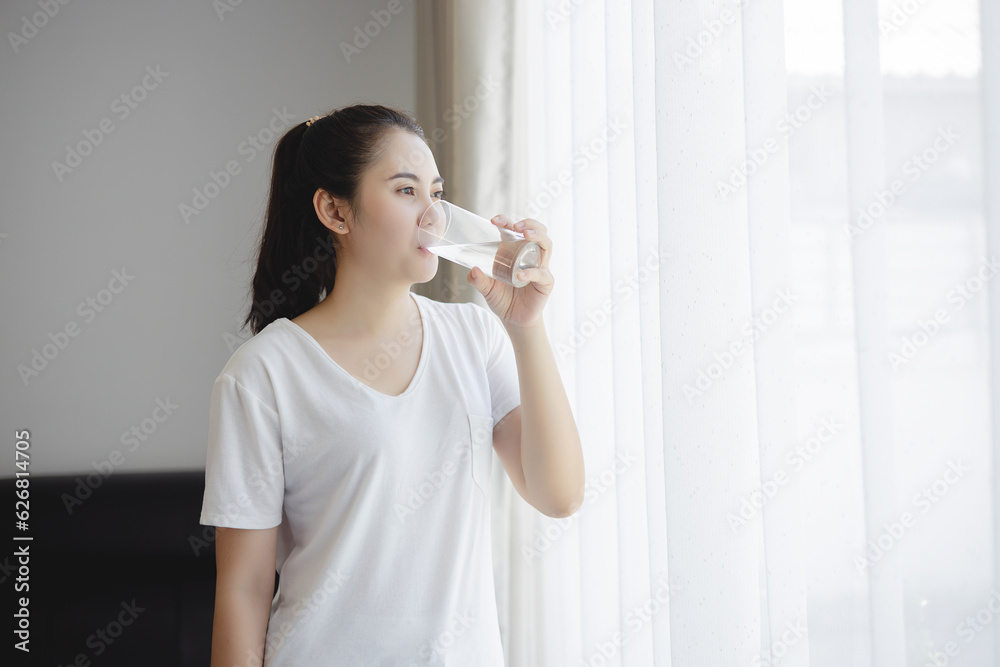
331	211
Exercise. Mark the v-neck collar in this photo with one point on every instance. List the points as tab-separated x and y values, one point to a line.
421	363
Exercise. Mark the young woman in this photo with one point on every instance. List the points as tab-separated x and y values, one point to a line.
350	439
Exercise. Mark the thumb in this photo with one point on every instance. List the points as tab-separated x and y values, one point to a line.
474	277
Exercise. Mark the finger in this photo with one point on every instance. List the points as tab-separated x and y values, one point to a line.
501	220
528	223
475	279
541	276
543	240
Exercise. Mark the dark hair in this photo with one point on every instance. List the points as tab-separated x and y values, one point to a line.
332	153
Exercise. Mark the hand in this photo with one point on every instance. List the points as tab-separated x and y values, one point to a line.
519	306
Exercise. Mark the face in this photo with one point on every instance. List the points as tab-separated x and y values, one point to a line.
394	192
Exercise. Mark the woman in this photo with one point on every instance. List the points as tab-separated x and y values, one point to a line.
349	439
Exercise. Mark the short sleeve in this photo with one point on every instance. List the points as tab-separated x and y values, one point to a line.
501	369
244	473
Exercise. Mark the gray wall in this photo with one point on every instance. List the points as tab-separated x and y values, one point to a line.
164	335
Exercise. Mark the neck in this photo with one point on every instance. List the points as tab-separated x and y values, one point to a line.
361	305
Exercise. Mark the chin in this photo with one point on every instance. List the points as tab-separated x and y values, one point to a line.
427	271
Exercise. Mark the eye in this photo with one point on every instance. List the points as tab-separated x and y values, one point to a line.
408	190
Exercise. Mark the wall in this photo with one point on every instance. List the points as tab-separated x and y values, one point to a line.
168	292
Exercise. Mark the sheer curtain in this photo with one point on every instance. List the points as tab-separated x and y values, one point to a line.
775	233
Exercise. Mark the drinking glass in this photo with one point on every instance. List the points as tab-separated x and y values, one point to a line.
465	238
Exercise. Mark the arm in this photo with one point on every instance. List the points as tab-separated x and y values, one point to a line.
538	442
244	588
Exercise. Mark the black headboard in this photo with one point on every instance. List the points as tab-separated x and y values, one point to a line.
119	570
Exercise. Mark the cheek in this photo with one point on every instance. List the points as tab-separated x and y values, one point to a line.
393	221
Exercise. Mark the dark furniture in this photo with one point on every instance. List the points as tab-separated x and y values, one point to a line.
121	572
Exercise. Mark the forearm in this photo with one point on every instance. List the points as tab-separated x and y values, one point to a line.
551	454
239	627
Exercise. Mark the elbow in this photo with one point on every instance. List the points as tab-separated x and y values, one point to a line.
561	514
565	508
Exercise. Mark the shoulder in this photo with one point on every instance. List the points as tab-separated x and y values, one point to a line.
467	316
252	364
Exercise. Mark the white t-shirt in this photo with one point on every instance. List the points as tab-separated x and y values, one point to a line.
384	545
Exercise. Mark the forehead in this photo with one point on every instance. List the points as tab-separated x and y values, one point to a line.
405	152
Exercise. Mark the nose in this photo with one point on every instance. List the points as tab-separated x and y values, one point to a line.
426	201
433	220
426	212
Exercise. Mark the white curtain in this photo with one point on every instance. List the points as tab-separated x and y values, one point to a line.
775	229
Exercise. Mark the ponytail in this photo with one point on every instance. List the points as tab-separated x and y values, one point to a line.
297	256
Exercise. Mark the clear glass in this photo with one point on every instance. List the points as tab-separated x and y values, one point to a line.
465	238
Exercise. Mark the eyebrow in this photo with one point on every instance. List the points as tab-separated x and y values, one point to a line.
406	174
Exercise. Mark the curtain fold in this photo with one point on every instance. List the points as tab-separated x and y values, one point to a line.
991	148
867	175
466	101
783	593
726	336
